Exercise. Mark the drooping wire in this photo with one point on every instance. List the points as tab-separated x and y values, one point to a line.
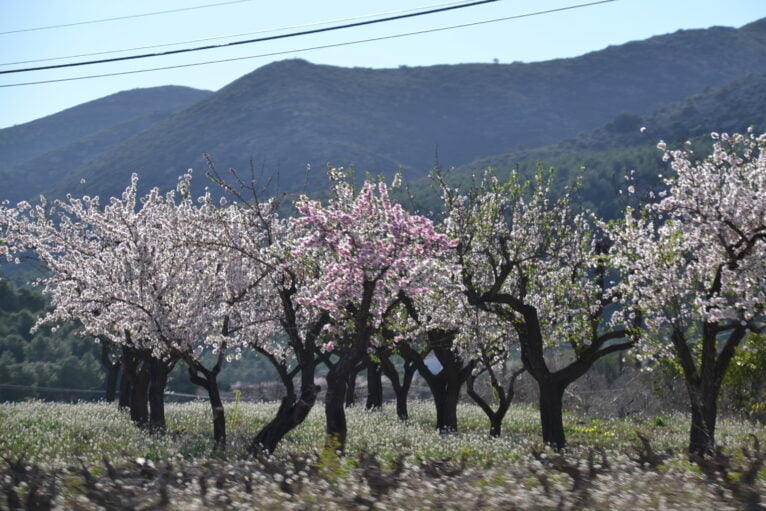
251	41
229	36
118	18
311	48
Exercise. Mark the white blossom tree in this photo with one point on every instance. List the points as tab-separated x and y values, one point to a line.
541	268
698	273
127	274
265	279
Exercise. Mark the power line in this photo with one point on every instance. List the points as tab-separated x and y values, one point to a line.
251	41
334	45
143	15
265	31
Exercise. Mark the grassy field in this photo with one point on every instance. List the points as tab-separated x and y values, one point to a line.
90	456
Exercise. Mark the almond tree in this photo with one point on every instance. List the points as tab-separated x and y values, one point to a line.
542	269
124	271
699	275
264	279
436	322
491	346
373	252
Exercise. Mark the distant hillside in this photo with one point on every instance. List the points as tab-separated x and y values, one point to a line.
287	114
24	180
605	155
21	143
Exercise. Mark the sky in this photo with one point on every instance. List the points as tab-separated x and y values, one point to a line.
561	34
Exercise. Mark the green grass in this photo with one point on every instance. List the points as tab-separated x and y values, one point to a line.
513	470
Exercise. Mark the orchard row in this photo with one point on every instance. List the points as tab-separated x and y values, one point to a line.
514	267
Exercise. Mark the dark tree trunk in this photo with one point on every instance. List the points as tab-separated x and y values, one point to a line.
504	396
130	363
704	379
401	406
551	418
158	376
374	386
112	367
335	413
350	398
112	376
704	408
496	425
446	398
446	385
139	395
353	352
208	380
702	434
219	416
293	410
125	390
401	387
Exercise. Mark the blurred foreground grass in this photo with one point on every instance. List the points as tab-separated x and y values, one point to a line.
513	471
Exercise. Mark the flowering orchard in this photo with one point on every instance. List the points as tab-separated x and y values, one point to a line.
354	282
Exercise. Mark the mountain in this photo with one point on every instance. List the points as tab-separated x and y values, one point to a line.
604	156
37	150
288	114
23	180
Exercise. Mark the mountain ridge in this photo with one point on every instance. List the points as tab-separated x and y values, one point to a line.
287	114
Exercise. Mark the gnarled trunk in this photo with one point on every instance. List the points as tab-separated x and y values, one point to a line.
551	413
446	384
292	412
335	413
374	386
139	395
158	380
208	380
401	387
504	396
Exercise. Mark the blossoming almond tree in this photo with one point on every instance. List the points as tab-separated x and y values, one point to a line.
542	269
373	251
127	274
66	243
265	278
699	276
438	322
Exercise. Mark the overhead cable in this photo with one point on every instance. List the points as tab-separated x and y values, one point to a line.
131	16
229	36
251	41
311	48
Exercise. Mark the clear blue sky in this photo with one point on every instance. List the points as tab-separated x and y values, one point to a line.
562	34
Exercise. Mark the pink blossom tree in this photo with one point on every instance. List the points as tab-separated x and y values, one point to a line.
699	274
373	252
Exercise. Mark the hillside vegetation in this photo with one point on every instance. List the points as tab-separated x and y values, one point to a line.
25	141
287	114
605	156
